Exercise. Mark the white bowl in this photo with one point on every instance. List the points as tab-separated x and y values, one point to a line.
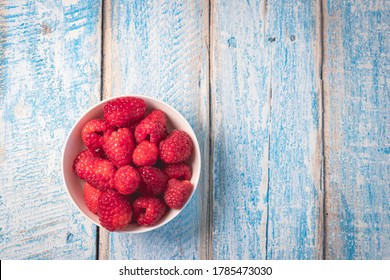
74	145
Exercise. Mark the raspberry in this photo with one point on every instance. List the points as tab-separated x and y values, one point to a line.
148	210
145	154
91	196
127	180
154	179
114	210
123	111
92	133
100	153
132	127
119	146
177	193
154	126
178	171
84	154
107	133
96	171
176	147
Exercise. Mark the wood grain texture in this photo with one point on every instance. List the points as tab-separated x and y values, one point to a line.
295	194
158	48
266	130
240	86
49	74
357	122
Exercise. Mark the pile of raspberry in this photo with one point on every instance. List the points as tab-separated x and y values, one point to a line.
134	169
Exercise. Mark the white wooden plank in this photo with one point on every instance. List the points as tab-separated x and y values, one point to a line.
240	81
295	195
158	48
49	74
357	101
266	130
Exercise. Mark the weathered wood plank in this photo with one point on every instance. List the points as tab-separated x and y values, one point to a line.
356	93
49	74
266	130
158	48
295	195
240	80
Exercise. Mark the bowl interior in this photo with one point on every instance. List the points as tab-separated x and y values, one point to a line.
74	145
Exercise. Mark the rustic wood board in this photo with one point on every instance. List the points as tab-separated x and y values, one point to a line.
295	199
295	86
49	74
159	49
357	125
266	110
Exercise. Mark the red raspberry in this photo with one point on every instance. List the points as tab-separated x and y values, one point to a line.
132	127
127	180
107	133
178	171
96	171
92	133
145	154
154	126
176	147
91	196
100	153
123	111
119	146
84	154
177	193
154	179
114	210
148	210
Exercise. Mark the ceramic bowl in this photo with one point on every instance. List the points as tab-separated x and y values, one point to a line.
74	145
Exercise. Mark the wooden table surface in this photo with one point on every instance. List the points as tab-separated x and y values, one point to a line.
289	100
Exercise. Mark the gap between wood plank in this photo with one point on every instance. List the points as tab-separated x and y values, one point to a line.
319	57
102	245
106	49
322	114
209	244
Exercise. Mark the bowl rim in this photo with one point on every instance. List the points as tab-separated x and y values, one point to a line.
195	176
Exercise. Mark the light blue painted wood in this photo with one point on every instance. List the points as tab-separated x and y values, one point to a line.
295	193
357	101
158	48
266	130
49	74
240	116
266	109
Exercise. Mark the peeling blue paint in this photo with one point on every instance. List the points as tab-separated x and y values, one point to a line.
357	110
232	42
45	85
